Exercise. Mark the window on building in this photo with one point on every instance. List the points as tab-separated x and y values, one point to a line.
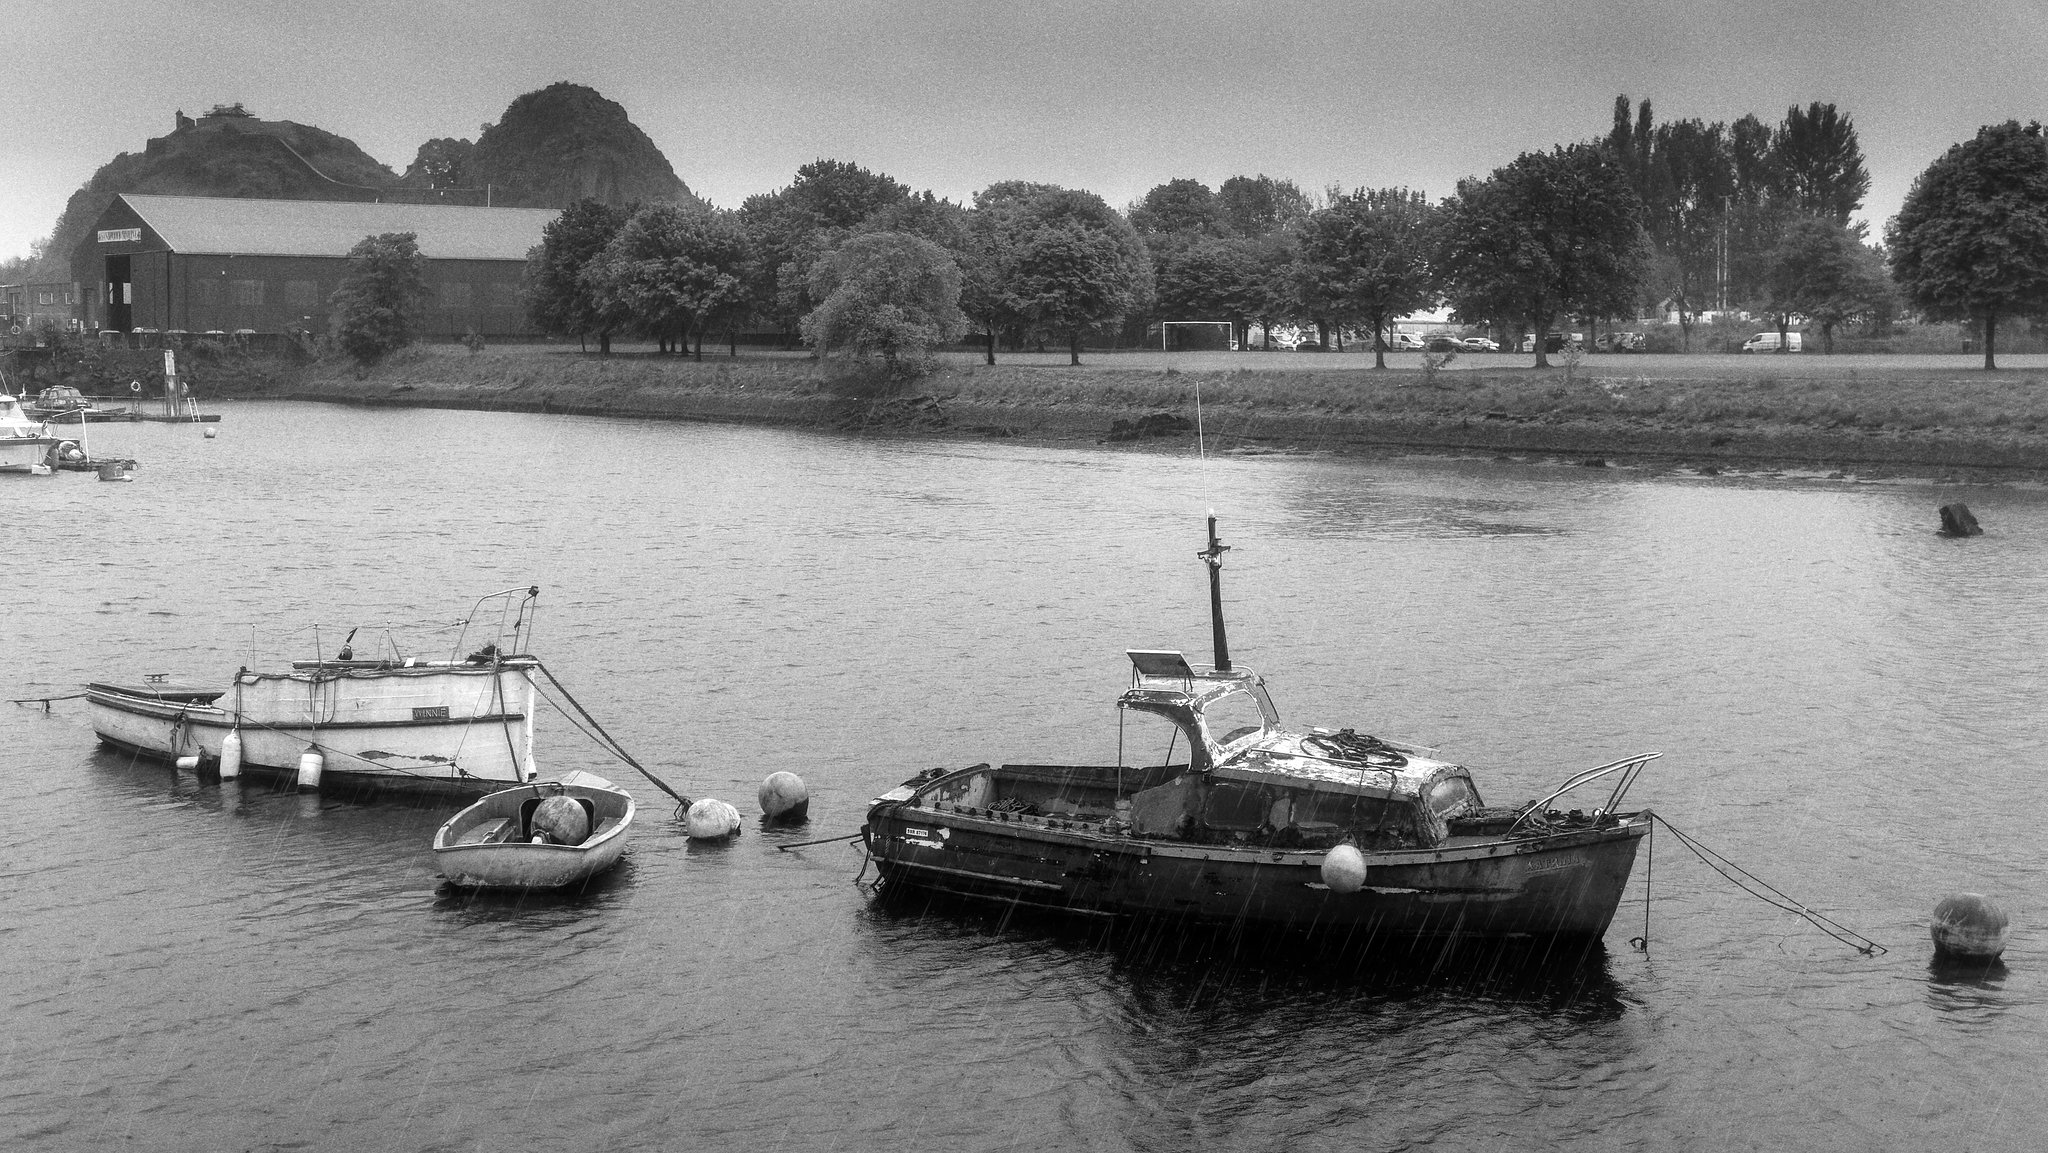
456	295
503	294
247	293
46	298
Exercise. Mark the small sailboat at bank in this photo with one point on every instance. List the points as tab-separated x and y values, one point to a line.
459	726
1257	828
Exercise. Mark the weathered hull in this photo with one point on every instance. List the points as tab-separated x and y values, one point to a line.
515	863
26	454
1562	885
455	730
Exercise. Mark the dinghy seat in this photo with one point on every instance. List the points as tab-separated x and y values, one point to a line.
488	833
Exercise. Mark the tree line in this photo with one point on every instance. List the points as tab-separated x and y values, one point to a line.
1689	215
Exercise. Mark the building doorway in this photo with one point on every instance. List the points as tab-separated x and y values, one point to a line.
120	284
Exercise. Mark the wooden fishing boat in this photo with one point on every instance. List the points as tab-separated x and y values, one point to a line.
458	726
1328	832
518	839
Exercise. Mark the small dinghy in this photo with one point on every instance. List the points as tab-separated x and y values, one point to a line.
539	836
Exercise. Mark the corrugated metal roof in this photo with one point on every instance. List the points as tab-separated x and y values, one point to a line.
220	225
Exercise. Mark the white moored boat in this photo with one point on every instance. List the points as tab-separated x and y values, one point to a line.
25	445
462	725
539	836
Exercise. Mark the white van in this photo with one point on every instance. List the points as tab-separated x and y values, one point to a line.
1406	342
1768	342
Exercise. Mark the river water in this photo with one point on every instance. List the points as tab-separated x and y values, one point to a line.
1847	704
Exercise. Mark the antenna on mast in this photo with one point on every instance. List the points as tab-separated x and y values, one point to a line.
1213	557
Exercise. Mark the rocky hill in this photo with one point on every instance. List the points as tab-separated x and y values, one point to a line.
550	148
564	143
226	152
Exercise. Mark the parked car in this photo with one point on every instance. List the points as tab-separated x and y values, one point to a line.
1481	344
1768	342
1405	342
1552	341
1619	342
1441	343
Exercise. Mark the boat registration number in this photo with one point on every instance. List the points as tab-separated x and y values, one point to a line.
929	838
430	713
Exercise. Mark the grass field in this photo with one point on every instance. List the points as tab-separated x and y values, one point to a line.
1925	411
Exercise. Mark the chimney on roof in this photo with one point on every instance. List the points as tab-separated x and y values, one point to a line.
183	123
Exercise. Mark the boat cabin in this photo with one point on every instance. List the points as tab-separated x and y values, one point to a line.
1244	780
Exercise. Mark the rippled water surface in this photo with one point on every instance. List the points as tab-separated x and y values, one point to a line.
1849	706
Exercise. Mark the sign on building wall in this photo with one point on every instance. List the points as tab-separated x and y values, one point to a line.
119	235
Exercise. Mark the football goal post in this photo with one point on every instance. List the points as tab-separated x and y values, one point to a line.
1166	328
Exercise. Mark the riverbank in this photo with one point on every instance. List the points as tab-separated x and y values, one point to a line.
1839	413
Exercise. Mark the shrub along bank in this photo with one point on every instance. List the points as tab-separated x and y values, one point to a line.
1810	414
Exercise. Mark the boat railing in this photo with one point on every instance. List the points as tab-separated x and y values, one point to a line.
519	604
1629	767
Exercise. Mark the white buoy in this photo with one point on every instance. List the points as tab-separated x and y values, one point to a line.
231	755
562	819
711	820
310	765
1344	869
189	761
210	433
784	798
1968	926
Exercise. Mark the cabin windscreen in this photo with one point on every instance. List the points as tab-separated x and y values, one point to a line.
1145	739
1233	717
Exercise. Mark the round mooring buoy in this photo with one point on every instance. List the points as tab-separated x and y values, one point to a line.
562	819
711	820
1344	869
1967	926
210	433
784	798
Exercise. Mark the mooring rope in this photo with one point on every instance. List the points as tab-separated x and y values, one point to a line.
607	741
1756	887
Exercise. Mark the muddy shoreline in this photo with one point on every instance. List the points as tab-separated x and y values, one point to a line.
1657	424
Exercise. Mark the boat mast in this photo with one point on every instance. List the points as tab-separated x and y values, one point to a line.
1213	557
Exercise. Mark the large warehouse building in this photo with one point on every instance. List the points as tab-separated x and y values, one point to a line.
216	264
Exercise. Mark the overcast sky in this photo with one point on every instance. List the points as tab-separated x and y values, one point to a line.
1106	96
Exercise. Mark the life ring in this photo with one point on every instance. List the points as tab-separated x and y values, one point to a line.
134	386
14	330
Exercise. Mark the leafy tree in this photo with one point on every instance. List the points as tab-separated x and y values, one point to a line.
1074	264
1694	179
1211	279
1368	256
1971	241
375	306
441	163
1260	205
558	299
1553	232
837	194
1819	164
1634	144
1179	207
792	228
673	269
1823	271
886	293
